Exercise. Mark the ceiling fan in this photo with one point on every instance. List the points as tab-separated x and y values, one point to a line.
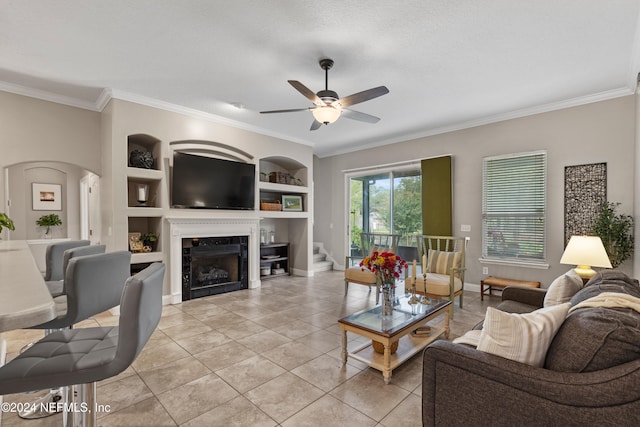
328	107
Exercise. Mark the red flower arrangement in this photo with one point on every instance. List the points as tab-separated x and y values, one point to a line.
387	266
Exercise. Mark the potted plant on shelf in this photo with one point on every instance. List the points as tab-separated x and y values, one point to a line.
616	233
149	239
5	221
51	220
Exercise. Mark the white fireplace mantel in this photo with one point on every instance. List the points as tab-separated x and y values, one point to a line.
188	228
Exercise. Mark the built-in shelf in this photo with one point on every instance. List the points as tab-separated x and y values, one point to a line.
282	188
144	174
281	214
140	258
144	212
274	257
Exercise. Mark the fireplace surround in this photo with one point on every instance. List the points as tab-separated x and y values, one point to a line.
188	228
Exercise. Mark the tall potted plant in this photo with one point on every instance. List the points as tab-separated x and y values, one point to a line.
616	232
5	221
51	220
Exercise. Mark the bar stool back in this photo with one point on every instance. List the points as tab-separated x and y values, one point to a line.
54	264
87	355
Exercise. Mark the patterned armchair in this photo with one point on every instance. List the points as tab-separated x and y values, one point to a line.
370	243
445	262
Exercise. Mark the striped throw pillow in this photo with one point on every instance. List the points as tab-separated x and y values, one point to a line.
524	338
441	262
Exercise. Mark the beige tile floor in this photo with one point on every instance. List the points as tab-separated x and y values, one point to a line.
261	357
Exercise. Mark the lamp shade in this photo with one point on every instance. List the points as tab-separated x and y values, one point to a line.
326	114
585	252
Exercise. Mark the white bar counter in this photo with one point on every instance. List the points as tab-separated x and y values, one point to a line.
24	298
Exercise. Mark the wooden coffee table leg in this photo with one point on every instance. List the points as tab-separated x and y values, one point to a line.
446	323
344	347
386	372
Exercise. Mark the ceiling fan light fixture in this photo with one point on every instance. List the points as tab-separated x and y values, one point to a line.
326	114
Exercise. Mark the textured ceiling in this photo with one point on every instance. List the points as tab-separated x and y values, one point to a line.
448	64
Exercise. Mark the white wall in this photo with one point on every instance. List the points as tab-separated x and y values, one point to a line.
598	132
20	179
33	130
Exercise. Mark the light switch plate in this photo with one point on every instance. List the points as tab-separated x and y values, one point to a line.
465	227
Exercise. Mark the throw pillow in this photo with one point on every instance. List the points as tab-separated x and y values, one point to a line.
471	338
441	262
524	338
563	288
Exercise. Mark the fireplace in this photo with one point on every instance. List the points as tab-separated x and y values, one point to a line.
183	229
214	265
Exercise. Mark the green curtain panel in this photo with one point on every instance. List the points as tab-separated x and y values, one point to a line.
436	196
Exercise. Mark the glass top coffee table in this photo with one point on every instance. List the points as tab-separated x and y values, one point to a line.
398	327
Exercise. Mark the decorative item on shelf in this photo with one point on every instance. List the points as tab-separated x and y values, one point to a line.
135	244
291	203
270	205
142	194
272	236
263	236
280	177
149	241
6	222
48	221
387	267
141	159
264	177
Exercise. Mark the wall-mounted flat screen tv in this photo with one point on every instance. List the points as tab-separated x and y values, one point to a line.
200	182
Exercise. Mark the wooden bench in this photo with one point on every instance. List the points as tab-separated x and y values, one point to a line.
500	282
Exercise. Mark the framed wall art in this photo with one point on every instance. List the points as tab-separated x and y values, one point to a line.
46	197
292	203
585	190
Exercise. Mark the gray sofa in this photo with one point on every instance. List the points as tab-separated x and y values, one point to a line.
591	374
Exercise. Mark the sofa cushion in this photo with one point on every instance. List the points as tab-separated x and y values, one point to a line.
441	262
524	337
592	339
598	337
563	288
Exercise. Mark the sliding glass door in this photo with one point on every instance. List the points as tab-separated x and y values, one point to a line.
385	202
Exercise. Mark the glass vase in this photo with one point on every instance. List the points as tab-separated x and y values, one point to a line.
387	299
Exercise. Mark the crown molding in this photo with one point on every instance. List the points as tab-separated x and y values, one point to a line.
48	96
191	112
516	114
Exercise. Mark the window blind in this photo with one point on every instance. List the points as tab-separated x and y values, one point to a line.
513	207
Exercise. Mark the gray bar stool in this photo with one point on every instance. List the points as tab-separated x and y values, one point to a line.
56	287
86	355
54	264
92	285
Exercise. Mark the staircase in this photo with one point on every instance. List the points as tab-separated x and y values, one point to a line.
320	262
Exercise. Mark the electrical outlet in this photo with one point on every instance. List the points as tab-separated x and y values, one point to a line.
485	270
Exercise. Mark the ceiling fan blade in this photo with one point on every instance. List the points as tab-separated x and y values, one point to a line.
315	125
361	117
308	93
363	96
284	111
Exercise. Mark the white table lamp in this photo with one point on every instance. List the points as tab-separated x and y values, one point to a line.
585	252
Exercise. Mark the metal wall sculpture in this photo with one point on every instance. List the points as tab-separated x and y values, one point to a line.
585	190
